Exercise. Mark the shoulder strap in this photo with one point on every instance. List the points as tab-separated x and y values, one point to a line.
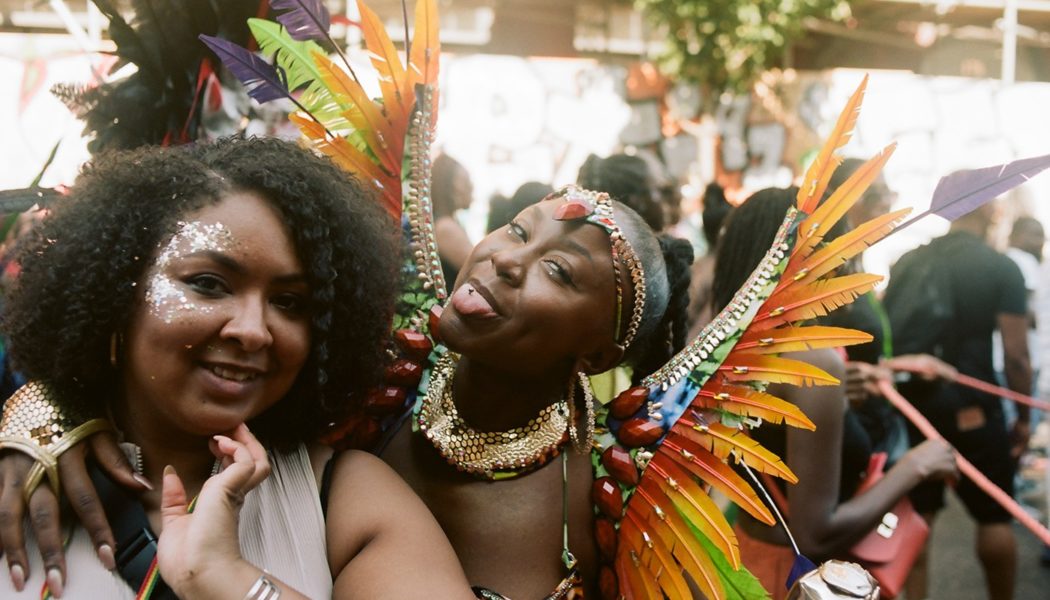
136	550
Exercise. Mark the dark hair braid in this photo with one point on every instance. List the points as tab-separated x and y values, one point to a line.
670	334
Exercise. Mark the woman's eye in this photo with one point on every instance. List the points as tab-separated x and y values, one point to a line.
557	270
518	231
209	285
293	303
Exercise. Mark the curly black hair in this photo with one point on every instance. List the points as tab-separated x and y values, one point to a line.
83	268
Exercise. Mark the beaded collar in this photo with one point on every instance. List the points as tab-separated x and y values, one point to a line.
493	455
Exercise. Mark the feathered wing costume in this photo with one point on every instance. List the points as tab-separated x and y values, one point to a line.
655	459
653	474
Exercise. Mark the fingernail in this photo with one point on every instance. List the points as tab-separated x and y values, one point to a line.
143	481
54	582
105	554
169	470
18	577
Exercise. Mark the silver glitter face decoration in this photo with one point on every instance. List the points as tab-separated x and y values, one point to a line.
166	296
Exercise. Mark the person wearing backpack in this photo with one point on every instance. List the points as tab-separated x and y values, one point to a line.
945	299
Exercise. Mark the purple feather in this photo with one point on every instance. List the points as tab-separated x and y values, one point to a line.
964	191
305	19
261	80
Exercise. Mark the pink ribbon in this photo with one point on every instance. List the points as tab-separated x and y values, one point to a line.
965	466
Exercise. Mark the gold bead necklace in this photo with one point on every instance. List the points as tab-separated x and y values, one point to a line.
496	454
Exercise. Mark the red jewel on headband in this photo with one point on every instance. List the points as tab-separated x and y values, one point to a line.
573	209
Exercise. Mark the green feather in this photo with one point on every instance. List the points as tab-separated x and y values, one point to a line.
296	59
291	55
738	584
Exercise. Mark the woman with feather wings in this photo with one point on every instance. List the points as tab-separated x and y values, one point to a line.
572	286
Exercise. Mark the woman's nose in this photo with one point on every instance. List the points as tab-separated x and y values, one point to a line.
509	265
248	325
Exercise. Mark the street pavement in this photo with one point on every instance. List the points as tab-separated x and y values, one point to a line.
956	574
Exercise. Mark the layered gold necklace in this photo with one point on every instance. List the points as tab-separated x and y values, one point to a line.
490	454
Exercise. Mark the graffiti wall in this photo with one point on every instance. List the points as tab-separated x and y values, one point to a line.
510	120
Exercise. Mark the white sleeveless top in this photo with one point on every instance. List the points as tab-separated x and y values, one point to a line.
281	530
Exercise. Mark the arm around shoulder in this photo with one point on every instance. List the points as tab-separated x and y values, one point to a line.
382	540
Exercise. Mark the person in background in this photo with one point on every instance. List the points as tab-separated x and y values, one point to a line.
503	209
1027	238
715	210
826	515
628	179
954	292
451	190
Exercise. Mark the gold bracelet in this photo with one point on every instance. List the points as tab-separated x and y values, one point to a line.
35	424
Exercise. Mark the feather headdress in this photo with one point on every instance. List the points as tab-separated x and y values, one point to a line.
161	101
386	141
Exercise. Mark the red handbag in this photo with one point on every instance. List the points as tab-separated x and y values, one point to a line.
889	551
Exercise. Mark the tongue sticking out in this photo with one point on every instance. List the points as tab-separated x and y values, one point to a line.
468	302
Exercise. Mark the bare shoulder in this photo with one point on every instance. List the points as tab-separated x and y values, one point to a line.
363	479
382	540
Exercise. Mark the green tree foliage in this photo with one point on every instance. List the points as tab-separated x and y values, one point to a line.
725	44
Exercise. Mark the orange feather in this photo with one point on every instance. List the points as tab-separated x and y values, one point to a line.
654	555
701	463
387	62
813	300
797	339
723	441
693	503
819	223
819	173
773	369
426	48
366	118
677	535
744	401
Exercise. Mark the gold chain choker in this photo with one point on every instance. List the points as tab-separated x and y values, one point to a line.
493	455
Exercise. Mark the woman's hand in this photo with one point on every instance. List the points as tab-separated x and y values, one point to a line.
862	381
197	550
43	506
932	459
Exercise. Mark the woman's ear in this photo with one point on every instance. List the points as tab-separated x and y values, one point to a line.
601	359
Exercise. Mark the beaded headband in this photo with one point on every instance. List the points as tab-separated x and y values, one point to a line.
596	208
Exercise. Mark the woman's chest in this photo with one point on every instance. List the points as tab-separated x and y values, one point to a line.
508	534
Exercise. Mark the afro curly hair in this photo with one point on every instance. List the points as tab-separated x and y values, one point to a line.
83	270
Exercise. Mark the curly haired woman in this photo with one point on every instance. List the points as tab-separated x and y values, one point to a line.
184	293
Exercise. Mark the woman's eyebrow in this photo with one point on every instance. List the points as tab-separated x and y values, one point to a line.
233	265
223	259
577	248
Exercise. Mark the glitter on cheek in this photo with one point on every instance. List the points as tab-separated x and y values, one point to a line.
166	297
